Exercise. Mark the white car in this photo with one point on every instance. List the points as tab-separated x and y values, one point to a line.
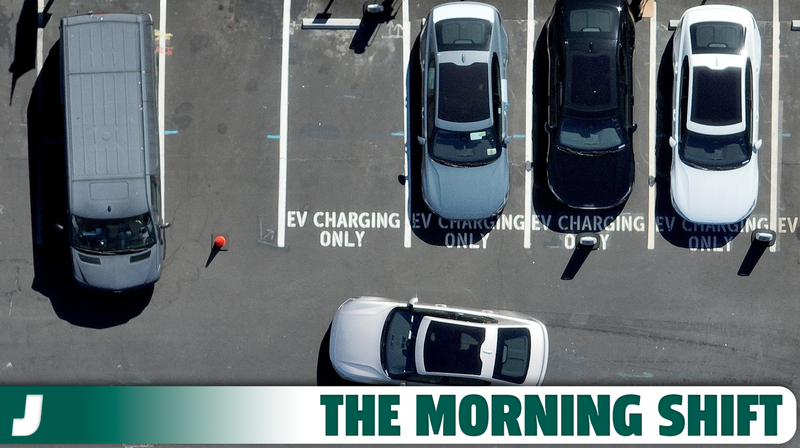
716	60
381	341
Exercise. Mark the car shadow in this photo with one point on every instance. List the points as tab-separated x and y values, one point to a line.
676	230
425	224
49	204
551	212
326	374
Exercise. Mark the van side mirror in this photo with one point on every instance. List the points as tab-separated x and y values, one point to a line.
507	140
413	301
164	225
548	128
59	227
633	128
757	146
421	140
672	142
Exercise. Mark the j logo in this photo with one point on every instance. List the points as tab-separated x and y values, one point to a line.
33	416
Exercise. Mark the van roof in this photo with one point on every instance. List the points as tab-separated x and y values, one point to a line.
102	63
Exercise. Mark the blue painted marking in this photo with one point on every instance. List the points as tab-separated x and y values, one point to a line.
170	132
274	137
786	135
398	134
519	135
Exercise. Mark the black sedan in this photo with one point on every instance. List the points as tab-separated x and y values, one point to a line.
590	123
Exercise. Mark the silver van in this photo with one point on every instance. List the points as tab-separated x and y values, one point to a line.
115	227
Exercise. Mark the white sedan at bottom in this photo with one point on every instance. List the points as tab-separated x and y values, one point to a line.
381	341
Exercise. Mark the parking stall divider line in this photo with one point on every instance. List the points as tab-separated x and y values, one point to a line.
651	128
39	40
284	125
162	67
774	141
406	142
526	242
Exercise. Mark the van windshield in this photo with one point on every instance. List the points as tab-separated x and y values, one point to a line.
123	235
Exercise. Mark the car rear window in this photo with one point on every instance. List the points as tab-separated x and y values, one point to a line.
717	96
513	354
592	22
463	34
464	92
452	348
717	37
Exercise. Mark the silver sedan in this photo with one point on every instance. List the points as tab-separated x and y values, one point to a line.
463	53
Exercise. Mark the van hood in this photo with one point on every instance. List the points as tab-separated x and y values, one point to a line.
120	198
117	272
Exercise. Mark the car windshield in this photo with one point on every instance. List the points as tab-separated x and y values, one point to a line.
715	152
717	96
465	148
463	34
113	235
513	354
592	136
717	37
397	343
464	92
452	348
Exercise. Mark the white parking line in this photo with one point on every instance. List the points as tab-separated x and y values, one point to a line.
283	124
39	45
773	160
651	149
162	67
526	242
406	144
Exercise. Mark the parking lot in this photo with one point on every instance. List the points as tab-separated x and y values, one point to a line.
315	184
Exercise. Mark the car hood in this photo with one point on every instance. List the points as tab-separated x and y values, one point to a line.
590	181
461	193
117	272
356	338
714	197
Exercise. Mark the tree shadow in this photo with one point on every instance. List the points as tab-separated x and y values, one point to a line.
25	43
551	212
326	374
49	203
676	230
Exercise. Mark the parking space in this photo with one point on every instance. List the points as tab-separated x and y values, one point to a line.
659	303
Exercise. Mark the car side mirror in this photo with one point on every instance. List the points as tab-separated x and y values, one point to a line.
757	146
633	128
413	301
548	128
421	140
507	140
672	142
165	225
59	227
